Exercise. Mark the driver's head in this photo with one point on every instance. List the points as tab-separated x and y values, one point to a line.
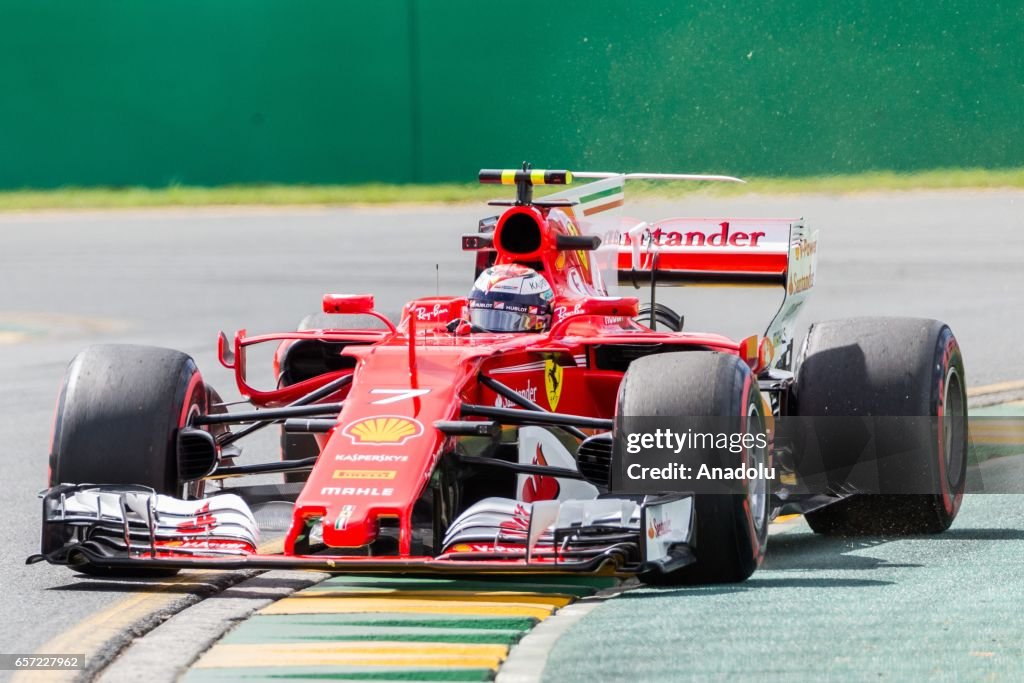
510	298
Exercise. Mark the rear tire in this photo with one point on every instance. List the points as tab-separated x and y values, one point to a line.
889	367
731	530
117	421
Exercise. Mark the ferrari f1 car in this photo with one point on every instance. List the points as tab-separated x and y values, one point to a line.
430	445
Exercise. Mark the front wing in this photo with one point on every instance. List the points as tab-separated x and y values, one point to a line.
134	527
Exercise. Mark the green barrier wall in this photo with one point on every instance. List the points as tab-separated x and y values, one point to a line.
215	92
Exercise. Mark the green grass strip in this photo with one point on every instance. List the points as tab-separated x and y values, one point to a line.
873	181
286	195
335	673
262	632
397	619
244	195
549	585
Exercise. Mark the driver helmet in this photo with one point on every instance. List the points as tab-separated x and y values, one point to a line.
510	298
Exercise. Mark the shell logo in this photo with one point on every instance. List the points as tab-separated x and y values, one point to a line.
387	430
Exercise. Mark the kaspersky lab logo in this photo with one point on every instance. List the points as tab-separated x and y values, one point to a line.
387	430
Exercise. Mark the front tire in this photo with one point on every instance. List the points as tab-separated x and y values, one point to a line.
118	415
731	530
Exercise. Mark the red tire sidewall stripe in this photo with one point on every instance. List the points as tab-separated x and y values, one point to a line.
756	544
950	500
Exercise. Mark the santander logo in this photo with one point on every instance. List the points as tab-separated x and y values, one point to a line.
529	393
724	236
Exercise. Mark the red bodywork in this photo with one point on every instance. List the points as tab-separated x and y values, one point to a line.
376	462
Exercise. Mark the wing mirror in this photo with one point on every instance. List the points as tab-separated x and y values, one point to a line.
566	310
353	304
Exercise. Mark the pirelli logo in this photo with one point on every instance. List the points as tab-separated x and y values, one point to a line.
364	474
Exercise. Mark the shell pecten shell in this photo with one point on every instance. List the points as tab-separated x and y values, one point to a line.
383	430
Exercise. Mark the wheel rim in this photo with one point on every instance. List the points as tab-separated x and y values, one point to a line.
192	490
757	487
952	429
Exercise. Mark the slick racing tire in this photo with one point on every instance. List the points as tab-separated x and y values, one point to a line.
118	415
731	530
889	367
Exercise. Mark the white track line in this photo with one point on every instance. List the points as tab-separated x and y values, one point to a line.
526	661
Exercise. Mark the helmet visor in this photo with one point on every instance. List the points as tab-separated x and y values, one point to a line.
507	321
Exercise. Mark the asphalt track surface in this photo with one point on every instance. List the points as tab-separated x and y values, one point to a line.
930	607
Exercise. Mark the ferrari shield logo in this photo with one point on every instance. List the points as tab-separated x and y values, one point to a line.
553	382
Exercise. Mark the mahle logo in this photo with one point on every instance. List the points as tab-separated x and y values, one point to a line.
370	491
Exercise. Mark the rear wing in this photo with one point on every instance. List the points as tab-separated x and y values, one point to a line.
715	251
733	252
778	252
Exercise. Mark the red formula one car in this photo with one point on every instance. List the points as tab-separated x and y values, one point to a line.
483	434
